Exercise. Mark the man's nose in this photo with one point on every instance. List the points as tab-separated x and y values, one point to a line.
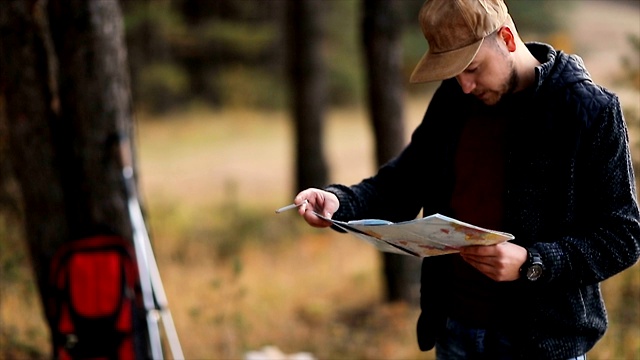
466	83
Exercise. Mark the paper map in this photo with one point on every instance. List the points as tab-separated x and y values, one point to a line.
432	235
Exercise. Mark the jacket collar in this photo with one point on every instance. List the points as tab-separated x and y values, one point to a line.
556	67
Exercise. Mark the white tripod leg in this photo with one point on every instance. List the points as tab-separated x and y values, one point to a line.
152	274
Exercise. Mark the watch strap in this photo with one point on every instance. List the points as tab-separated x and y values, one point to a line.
533	267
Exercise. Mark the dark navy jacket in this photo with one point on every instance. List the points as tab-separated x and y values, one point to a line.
569	192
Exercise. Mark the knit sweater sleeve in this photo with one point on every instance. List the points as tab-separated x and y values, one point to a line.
609	238
386	195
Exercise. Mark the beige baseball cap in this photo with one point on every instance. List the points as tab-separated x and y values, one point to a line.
454	30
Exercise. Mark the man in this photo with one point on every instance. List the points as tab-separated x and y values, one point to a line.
516	138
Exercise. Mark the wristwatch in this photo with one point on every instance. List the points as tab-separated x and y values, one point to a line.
532	268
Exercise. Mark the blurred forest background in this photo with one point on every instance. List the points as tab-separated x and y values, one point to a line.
226	53
215	147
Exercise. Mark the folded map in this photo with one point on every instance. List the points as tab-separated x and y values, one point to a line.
429	236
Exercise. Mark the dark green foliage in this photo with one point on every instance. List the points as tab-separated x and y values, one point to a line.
233	53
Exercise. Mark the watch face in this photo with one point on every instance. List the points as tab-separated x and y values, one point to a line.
534	272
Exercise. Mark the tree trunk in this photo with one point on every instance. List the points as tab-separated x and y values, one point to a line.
95	113
307	72
382	29
64	74
25	83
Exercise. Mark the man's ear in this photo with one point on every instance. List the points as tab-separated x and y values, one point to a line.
507	37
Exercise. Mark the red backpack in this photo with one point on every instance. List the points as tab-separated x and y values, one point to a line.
94	305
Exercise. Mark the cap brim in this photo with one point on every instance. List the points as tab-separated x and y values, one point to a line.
433	67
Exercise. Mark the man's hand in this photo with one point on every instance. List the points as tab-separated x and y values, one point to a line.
501	262
320	201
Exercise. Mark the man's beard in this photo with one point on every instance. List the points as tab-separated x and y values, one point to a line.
509	87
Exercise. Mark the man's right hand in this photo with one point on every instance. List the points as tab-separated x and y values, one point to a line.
320	201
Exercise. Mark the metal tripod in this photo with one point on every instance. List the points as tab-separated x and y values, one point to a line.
153	295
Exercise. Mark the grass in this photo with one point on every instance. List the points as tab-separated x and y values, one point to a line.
239	277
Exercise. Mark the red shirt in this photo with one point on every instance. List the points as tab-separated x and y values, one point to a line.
478	199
